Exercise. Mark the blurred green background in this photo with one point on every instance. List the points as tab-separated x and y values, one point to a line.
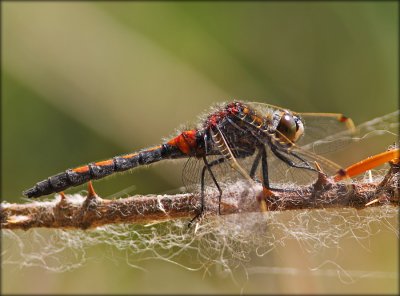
86	81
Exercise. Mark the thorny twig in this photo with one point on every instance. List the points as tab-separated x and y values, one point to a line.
94	211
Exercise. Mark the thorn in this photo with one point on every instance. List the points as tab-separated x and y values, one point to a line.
322	178
91	192
89	205
63	201
92	195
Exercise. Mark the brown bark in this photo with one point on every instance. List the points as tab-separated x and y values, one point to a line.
94	211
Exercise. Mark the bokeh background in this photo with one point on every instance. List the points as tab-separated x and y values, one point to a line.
86	81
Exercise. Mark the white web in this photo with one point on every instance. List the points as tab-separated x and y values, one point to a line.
223	243
228	242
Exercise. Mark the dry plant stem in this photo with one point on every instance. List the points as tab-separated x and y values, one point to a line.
95	211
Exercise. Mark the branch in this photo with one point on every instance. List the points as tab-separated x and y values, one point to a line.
92	211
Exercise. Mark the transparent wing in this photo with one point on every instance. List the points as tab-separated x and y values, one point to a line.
292	170
326	132
224	174
323	132
263	108
191	174
282	174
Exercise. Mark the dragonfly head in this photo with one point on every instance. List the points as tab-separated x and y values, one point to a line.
289	127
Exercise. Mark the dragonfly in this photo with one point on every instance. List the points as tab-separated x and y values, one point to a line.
235	140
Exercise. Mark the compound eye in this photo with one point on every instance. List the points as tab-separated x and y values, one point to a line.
290	128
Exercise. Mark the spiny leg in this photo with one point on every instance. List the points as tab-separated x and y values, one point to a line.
266	186
290	162
278	154
265	180
262	157
207	166
264	167
254	167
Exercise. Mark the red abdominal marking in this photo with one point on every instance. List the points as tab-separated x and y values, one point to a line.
186	142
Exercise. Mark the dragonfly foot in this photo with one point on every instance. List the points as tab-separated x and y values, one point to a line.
198	217
263	197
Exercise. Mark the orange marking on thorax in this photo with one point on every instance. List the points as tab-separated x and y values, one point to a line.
82	169
369	163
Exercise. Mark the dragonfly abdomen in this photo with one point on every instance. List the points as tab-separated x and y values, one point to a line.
97	170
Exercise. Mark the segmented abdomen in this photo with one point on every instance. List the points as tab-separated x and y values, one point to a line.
98	170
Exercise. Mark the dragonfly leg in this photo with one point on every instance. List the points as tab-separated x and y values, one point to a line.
207	167
291	163
262	157
264	167
266	192
254	167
